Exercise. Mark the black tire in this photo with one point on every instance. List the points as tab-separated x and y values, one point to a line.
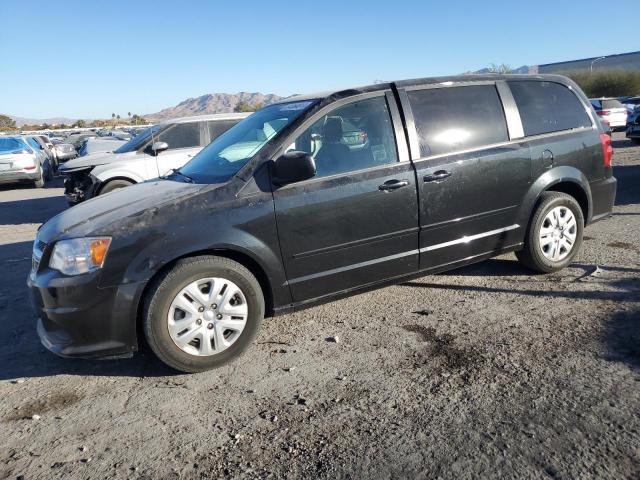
636	141
531	256
48	171
39	183
115	185
162	292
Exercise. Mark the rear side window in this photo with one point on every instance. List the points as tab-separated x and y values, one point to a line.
547	107
218	127
612	104
34	144
11	145
457	118
181	135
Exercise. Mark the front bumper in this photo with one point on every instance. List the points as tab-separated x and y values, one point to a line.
79	186
79	318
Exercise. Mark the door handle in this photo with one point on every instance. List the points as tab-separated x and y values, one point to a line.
393	185
437	176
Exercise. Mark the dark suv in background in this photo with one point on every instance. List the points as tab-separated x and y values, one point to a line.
323	196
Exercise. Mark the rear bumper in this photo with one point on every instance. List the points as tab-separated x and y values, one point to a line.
603	197
616	122
19	175
77	318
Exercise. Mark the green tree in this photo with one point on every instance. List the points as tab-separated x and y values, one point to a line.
245	107
607	83
79	124
502	68
7	123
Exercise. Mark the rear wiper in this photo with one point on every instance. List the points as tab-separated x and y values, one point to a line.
178	172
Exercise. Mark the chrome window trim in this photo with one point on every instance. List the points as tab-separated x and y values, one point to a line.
468	239
511	112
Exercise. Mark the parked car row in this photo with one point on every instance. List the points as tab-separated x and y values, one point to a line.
311	199
25	159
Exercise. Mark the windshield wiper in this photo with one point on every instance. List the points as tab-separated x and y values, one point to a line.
175	171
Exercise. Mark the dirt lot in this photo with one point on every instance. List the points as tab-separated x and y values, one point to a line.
483	372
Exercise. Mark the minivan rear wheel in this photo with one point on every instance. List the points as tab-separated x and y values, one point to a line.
203	313
555	232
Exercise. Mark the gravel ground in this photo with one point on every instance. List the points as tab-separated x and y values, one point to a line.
486	371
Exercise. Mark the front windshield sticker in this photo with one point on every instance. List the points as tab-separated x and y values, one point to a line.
294	106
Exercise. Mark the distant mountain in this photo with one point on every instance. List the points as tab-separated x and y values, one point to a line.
212	103
39	121
522	69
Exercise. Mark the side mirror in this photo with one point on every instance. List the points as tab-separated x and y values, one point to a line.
158	147
294	166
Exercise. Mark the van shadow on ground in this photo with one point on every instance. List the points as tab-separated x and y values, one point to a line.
628	177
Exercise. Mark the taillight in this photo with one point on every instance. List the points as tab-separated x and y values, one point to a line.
604	112
30	168
607	149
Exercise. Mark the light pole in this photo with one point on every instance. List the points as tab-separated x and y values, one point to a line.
594	61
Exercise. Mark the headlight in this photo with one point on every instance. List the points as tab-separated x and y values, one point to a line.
79	255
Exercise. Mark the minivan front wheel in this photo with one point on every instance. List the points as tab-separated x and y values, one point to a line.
203	313
555	232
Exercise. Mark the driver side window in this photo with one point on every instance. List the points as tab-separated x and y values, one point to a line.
181	135
352	137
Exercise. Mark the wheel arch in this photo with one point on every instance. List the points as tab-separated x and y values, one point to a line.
104	183
563	179
242	257
575	190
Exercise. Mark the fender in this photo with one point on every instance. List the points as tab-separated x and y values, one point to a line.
546	181
136	170
169	235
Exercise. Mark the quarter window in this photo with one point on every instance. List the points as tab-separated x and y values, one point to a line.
218	127
353	137
547	107
181	135
457	118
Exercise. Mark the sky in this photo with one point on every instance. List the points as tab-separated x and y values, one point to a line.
88	59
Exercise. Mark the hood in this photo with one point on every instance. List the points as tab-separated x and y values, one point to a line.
94	159
98	214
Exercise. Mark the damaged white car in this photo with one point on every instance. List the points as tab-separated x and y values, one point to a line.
151	154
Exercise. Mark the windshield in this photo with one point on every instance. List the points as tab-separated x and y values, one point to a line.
136	142
226	155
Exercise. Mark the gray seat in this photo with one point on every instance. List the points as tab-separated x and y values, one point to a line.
333	155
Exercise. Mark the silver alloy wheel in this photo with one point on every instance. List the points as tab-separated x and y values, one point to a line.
558	233
207	316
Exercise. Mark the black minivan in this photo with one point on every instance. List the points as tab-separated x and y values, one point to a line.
322	196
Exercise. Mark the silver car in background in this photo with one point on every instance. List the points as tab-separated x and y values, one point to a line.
612	111
23	159
64	151
99	145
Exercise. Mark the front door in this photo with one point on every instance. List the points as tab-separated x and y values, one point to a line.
356	222
472	173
